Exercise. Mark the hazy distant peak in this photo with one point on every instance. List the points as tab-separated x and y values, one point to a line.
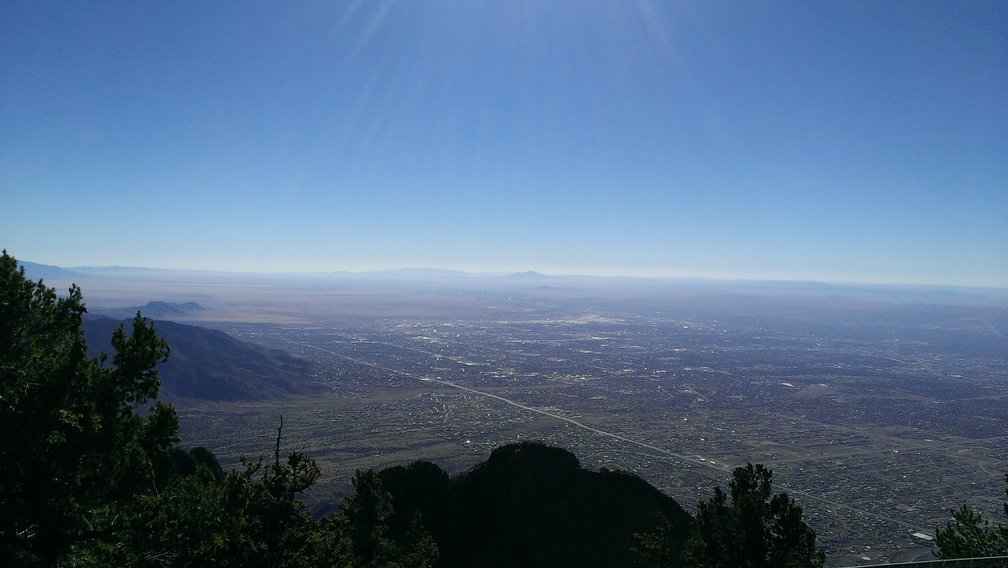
155	309
35	271
157	305
529	275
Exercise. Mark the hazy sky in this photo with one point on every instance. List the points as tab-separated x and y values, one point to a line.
849	141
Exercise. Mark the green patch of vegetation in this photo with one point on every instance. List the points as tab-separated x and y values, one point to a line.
969	535
91	473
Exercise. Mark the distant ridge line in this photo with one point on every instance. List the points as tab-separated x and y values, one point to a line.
761	281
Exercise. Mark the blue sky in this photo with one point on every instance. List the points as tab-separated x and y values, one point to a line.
848	141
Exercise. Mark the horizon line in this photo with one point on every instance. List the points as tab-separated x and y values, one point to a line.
529	273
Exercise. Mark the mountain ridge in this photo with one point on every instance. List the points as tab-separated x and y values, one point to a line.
784	284
530	504
206	364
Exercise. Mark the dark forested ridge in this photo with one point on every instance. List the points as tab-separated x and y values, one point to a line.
530	505
210	365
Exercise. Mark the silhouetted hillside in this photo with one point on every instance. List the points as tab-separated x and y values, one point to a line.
211	365
156	310
529	505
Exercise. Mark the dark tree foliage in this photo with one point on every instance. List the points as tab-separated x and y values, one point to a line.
530	505
753	529
72	442
422	488
91	473
658	548
969	535
366	512
244	518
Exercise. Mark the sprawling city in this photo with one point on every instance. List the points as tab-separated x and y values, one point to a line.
878	409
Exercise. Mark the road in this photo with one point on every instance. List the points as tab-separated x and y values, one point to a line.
604	433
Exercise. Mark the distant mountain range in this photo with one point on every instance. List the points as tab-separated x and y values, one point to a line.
440	276
208	364
36	271
529	275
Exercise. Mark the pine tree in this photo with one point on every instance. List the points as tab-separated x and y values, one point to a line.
753	529
76	435
969	535
91	473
